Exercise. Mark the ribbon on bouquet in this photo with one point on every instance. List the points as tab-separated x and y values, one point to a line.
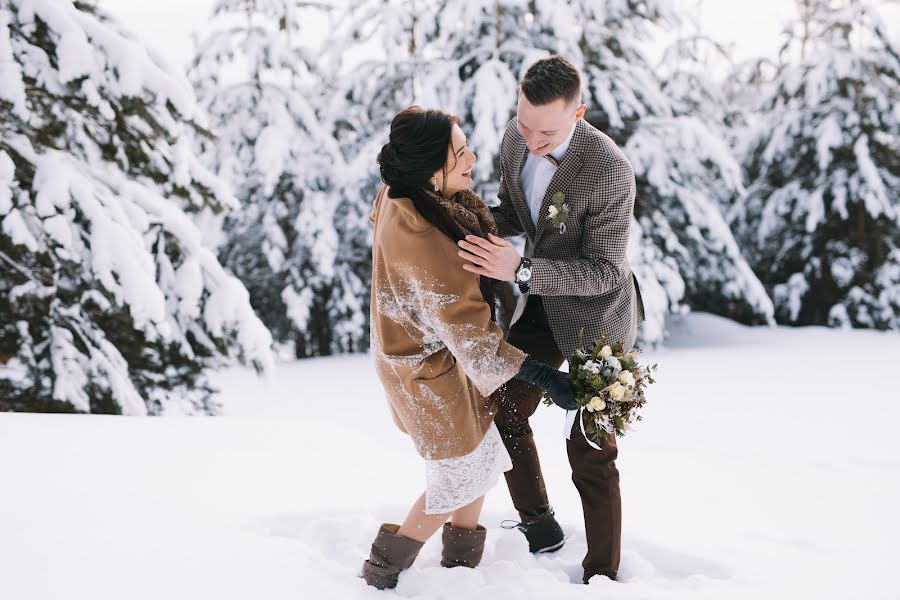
571	415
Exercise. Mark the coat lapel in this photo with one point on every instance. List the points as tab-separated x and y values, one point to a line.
515	187
564	175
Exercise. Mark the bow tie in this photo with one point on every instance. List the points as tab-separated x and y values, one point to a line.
553	160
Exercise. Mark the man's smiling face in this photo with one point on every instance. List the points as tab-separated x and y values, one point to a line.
547	126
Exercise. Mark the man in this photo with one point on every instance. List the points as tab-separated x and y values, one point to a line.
570	190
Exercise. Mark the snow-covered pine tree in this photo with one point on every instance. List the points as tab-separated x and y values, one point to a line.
703	177
373	54
291	243
821	222
682	251
479	50
110	302
463	56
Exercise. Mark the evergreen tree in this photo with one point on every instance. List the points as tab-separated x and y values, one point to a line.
375	52
670	122
821	222
703	177
374	56
110	302
482	48
274	144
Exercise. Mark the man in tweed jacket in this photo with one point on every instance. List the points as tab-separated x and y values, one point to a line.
574	276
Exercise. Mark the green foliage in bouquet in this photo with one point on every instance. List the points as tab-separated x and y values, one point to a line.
609	387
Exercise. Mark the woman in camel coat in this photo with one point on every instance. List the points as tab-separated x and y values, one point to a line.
436	346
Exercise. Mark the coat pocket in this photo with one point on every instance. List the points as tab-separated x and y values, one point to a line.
442	388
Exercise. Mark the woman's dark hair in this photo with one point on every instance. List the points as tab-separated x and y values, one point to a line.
417	147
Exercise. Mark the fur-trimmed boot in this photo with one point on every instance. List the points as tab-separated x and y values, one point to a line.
462	547
391	553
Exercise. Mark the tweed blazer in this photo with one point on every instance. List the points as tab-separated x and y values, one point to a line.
582	274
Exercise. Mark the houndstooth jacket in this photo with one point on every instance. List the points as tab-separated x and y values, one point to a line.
581	271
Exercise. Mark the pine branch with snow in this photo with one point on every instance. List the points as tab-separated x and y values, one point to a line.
479	50
821	221
671	124
114	305
273	144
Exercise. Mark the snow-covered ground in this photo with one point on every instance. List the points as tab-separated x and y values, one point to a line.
768	466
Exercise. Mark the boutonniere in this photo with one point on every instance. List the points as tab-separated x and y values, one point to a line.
558	211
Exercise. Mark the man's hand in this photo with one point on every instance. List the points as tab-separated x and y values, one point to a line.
493	257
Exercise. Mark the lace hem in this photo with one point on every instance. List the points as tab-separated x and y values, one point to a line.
451	483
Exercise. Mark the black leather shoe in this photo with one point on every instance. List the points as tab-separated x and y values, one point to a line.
543	534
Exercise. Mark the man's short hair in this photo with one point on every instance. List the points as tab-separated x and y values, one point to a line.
551	78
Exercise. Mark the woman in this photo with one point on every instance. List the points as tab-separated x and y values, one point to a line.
437	348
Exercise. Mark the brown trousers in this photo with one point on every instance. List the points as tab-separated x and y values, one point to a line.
593	471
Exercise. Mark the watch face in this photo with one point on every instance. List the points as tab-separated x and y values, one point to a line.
524	274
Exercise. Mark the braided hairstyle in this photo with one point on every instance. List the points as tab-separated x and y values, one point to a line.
417	148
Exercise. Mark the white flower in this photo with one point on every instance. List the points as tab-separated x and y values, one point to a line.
626	378
552	211
596	403
591	367
613	362
616	391
605	351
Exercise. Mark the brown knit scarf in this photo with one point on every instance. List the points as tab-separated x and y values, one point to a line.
469	211
474	217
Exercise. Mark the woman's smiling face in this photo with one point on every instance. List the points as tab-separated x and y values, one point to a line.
456	174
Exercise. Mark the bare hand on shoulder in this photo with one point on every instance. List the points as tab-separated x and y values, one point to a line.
493	257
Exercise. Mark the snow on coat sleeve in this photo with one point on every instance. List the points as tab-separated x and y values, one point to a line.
451	304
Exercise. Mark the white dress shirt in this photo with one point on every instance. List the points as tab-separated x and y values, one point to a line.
536	176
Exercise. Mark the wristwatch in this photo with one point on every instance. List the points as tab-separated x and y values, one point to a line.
523	274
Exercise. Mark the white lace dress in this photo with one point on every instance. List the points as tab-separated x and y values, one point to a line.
451	483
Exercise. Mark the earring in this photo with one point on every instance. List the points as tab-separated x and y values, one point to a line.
436	188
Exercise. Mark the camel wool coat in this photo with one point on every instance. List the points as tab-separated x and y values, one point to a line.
436	351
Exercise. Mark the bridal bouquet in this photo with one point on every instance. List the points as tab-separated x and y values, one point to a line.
609	387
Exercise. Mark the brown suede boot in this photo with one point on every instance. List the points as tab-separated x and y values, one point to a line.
391	553
462	547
